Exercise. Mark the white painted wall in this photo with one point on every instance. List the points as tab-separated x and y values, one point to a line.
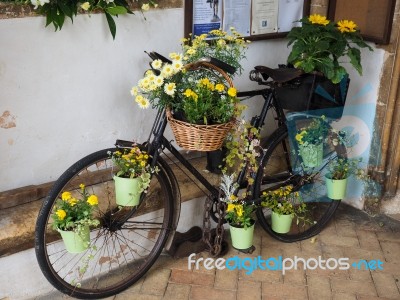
69	90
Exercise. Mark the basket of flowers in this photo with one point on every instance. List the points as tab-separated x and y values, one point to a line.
197	94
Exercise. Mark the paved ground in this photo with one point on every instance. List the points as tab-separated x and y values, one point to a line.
352	234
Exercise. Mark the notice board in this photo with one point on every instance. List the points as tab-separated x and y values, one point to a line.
254	19
373	17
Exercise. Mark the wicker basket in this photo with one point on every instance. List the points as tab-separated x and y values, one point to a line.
200	137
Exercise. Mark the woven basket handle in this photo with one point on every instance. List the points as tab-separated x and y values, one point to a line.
206	65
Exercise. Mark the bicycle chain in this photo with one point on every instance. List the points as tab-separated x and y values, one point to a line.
215	246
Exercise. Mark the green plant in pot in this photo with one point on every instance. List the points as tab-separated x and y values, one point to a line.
339	170
133	175
239	214
285	204
310	140
73	217
243	152
319	45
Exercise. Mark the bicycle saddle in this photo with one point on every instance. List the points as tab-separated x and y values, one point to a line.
280	75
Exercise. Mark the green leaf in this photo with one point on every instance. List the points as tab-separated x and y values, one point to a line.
65	9
116	10
111	24
355	59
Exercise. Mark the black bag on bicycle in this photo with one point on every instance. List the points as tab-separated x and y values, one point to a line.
311	92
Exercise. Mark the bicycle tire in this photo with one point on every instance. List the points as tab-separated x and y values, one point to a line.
116	257
278	169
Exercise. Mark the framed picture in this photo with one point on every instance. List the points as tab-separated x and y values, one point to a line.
255	20
373	17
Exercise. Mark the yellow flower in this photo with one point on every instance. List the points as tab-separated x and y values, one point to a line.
82	186
145	6
318	19
167	71
156	64
93	200
239	210
177	65
66	196
232	92
232	198
346	26
144	103
158	81
191	51
230	207
85	6
170	88
72	201
219	87
134	91
61	214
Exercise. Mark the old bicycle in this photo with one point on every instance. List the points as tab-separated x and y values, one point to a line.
130	239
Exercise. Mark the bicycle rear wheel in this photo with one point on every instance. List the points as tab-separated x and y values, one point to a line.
279	169
122	248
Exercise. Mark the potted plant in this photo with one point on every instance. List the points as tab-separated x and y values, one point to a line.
239	215
319	44
339	170
284	205
73	217
243	151
201	102
133	175
310	140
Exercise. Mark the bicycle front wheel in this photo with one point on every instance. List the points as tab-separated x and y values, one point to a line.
122	248
280	168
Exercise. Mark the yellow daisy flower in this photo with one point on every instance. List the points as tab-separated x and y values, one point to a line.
61	214
346	26
66	196
318	19
93	200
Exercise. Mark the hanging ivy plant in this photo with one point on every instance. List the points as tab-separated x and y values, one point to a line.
57	10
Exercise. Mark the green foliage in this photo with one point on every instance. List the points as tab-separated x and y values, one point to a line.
239	213
319	44
313	133
284	201
131	163
57	10
342	168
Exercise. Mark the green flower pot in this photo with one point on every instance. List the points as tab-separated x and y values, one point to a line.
74	242
336	189
281	223
127	190
312	154
242	238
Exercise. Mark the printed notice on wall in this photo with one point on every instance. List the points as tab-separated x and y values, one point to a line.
207	15
237	14
289	12
264	16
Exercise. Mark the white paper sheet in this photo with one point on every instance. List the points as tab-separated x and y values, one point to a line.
237	14
289	11
265	16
